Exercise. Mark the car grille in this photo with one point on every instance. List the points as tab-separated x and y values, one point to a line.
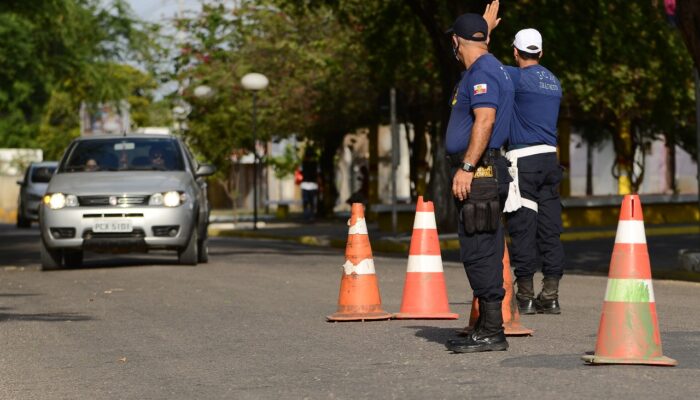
114	215
135	234
104	201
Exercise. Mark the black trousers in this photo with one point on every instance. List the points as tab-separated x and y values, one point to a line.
532	231
482	252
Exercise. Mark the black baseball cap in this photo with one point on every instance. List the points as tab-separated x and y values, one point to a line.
468	25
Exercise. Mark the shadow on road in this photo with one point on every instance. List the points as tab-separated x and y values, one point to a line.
682	346
45	317
553	361
435	334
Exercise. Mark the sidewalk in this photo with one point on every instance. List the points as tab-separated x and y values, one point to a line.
588	250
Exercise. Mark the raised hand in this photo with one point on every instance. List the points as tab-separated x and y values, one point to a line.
491	15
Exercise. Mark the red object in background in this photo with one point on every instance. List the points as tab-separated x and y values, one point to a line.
670	7
298	177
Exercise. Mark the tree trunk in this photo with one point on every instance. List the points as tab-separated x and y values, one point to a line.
327	162
418	154
564	141
373	164
440	179
688	16
589	169
624	151
671	166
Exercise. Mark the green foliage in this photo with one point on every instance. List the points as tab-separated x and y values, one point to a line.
318	86
617	61
54	54
285	164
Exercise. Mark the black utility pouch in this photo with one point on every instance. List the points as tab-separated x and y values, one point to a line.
481	212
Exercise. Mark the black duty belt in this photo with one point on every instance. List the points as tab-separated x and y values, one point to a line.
456	159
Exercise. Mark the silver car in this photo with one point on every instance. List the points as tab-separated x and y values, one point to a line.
31	190
125	193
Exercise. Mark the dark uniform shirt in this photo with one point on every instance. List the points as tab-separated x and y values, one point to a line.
537	98
485	84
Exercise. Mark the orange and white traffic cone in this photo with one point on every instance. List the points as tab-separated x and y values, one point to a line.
425	293
359	297
511	315
629	330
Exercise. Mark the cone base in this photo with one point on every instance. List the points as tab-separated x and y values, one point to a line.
661	361
515	329
508	329
426	316
374	316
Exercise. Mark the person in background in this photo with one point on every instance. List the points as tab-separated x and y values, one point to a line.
309	184
533	208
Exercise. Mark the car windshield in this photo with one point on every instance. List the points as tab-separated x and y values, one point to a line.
124	154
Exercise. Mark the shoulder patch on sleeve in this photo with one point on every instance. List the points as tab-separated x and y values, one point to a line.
481	88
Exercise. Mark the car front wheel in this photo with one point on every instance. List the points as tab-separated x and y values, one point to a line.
50	259
21	221
189	254
73	258
203	250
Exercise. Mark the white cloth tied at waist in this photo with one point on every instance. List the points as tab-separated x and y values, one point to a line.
514	201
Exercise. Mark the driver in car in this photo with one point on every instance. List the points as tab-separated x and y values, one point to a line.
157	156
91	165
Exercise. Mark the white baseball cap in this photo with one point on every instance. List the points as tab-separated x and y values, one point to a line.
528	40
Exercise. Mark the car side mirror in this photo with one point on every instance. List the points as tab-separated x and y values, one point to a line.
205	170
20	182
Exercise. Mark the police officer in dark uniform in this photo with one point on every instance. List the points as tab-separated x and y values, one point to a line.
533	207
480	119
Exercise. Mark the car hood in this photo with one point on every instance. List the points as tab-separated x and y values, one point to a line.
109	183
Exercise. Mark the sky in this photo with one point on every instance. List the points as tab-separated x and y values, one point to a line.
160	10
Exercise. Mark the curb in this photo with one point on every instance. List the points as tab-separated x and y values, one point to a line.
394	246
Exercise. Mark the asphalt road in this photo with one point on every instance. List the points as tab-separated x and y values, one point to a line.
251	325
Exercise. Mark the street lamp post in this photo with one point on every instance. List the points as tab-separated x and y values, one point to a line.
254	82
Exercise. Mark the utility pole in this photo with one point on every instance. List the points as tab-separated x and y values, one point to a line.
697	127
394	158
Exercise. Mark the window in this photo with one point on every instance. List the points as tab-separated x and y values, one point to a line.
42	174
124	154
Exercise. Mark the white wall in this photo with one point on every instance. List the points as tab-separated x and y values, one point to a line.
403	172
13	163
654	174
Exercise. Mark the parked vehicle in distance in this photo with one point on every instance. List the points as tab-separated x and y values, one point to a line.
31	190
131	193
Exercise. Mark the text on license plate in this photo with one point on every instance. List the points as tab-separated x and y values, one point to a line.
120	225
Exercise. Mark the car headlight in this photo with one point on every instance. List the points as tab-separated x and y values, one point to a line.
156	199
59	200
168	199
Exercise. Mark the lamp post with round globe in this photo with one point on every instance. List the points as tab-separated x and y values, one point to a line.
255	82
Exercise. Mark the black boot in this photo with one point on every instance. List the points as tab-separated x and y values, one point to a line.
488	336
525	295
547	301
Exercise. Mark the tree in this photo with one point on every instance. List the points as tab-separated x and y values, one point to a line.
317	87
688	17
57	53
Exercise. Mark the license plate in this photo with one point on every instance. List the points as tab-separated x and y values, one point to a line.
119	225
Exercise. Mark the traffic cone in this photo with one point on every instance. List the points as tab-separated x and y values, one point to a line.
511	316
359	298
424	292
629	331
